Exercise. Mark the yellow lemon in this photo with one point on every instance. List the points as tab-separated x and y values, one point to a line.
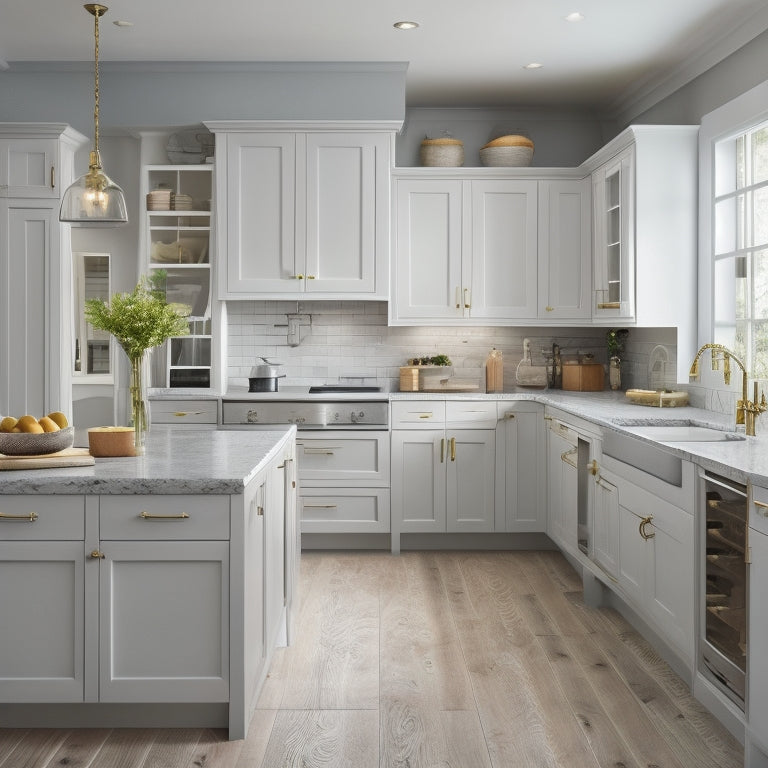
48	424
59	418
7	424
33	429
25	423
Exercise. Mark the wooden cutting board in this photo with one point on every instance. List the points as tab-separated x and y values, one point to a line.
69	457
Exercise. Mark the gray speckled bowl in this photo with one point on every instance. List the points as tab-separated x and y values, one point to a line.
22	444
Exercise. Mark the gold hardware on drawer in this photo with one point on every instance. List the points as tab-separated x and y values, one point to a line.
188	413
763	511
592	467
30	517
319	506
509	416
609	305
646	521
425	415
310	277
298	277
97	555
550	309
318	452
149	516
442	450
467	304
453	449
566	457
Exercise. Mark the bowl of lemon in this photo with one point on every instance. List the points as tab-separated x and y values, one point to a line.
29	436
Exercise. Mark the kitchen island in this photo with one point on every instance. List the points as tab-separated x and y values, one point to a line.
148	591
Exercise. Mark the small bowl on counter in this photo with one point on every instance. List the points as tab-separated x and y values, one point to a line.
111	442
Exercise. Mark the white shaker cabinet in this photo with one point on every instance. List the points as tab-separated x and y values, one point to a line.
521	504
443	465
303	212
564	247
37	351
562	486
42	597
756	747
465	250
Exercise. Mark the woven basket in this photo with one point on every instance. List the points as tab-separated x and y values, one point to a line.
442	153
507	151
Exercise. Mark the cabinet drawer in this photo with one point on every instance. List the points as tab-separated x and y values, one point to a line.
414	414
184	411
30	518
345	510
758	512
164	517
471	414
362	459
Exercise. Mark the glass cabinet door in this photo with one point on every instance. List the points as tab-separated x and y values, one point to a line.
92	355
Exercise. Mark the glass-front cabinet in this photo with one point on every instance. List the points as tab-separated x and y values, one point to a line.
178	261
92	355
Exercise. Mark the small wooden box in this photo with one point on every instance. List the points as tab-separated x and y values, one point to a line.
583	377
409	378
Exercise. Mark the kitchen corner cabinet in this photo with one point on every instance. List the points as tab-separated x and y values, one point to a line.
465	250
644	185
178	257
303	212
36	348
521	504
443	465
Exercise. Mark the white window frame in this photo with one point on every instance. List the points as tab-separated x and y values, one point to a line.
735	117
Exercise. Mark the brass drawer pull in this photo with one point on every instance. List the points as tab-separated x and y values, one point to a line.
425	415
763	511
609	305
188	413
29	517
320	506
566	457
467	299
148	516
645	521
97	555
453	449
442	450
318	452
593	468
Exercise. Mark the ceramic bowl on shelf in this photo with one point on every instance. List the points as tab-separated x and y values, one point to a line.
26	444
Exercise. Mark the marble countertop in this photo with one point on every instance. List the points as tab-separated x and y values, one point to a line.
187	461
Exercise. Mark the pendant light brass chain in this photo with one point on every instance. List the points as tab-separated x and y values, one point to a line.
96	15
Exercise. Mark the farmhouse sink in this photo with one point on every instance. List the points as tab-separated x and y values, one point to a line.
683	433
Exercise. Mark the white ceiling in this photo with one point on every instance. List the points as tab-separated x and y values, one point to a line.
462	54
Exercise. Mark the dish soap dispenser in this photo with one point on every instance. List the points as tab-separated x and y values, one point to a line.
494	371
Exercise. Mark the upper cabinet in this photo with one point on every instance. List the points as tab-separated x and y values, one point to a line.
36	159
303	211
479	248
177	242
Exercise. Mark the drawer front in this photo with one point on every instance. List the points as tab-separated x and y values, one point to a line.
758	512
345	510
415	414
184	411
164	518
39	518
470	414
362	459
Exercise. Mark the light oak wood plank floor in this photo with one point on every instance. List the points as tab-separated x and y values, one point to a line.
435	660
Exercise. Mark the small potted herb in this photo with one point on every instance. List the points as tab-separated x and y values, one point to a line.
615	339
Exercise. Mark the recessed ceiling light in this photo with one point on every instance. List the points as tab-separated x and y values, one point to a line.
533	65
120	23
405	25
575	16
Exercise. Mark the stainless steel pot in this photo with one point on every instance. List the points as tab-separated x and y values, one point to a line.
263	377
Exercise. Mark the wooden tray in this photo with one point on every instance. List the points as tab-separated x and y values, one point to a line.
70	457
657	398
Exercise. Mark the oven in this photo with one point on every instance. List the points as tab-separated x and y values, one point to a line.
723	592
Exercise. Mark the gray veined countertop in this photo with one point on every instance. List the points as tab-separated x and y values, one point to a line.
188	461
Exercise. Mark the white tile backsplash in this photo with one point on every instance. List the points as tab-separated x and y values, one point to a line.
351	340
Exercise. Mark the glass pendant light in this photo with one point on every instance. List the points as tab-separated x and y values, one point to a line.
94	199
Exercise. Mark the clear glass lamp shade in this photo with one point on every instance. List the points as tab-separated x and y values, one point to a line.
94	200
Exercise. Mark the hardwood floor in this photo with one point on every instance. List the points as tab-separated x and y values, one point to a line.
435	660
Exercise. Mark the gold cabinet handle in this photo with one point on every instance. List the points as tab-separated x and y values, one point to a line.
97	555
763	511
566	457
53	177
30	517
509	416
467	299
645	521
453	449
298	277
144	515
442	450
260	511
592	467
310	277
425	415
318	452
609	305
319	506
181	414
458	302
550	309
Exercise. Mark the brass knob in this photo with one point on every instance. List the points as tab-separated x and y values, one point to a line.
97	555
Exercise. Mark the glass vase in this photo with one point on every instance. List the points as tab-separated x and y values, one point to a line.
138	405
614	373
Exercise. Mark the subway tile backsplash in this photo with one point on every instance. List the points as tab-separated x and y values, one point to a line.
348	341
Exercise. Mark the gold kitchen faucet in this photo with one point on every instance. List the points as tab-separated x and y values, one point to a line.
747	410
